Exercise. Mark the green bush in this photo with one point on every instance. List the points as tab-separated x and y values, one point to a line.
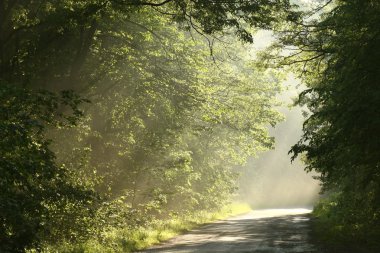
347	221
37	196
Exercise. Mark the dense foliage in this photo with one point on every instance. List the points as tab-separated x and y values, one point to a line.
161	129
33	188
336	50
118	112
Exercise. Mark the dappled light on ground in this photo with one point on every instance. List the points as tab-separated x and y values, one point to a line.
269	230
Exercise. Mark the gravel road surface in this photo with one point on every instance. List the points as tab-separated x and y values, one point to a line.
262	231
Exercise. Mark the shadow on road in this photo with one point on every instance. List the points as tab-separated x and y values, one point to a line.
284	234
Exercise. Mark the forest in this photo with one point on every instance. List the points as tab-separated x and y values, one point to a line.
122	115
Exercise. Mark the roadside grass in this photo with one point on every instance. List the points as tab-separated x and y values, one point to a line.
332	228
126	240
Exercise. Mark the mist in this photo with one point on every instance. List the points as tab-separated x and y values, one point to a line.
271	180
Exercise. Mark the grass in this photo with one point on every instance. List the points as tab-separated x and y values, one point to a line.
124	240
340	232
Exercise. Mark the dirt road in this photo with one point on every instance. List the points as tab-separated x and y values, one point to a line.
263	231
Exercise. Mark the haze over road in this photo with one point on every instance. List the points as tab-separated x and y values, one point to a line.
262	231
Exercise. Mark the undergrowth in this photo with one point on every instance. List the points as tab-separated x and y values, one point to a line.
342	226
129	240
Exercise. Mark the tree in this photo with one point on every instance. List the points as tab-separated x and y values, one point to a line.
337	55
168	99
159	112
47	42
35	191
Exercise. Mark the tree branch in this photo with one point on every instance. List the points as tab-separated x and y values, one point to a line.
137	3
155	4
